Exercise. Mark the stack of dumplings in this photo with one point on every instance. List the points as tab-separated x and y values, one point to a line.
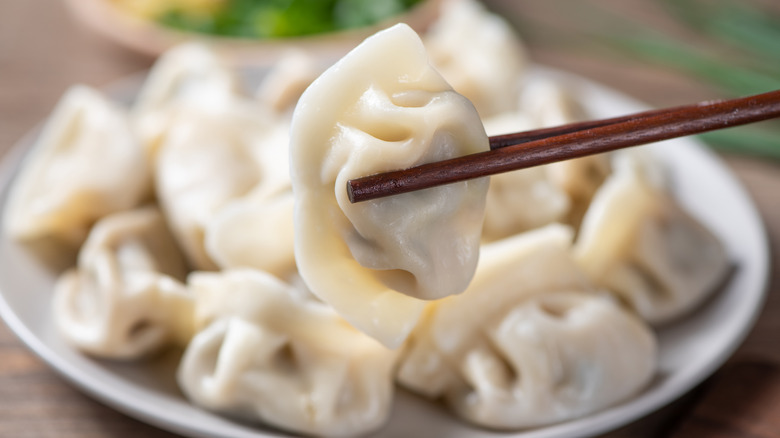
213	216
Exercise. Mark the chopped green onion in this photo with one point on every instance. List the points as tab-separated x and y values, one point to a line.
286	18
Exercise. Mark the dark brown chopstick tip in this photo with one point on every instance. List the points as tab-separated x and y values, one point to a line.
351	191
375	186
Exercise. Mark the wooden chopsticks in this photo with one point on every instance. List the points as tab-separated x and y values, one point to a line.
533	148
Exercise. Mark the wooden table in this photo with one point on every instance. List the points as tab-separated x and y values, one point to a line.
42	52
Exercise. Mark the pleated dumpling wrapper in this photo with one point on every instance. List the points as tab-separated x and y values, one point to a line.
549	102
125	298
524	199
529	343
268	352
639	243
558	192
383	107
206	161
85	164
256	230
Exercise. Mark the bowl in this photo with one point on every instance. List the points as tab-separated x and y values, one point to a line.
151	38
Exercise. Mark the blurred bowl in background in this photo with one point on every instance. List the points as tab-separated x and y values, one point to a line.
152	38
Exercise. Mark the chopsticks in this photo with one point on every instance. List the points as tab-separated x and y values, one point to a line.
533	148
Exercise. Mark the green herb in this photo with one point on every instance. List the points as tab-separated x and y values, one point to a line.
286	18
748	140
736	49
734	79
745	27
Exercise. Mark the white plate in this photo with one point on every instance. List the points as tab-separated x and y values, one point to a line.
690	350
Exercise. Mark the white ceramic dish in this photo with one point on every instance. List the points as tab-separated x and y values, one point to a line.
691	349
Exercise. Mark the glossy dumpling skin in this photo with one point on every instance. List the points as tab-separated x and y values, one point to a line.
125	298
529	343
479	54
268	352
383	107
639	243
86	164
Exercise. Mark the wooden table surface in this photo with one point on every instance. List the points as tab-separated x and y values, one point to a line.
43	51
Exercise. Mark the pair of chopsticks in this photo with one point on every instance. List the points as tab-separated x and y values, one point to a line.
533	148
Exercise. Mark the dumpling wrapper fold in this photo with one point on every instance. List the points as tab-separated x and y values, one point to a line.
268	352
86	163
529	343
639	243
125	299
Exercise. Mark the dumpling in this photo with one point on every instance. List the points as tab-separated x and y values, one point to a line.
479	54
549	102
559	192
86	164
255	231
188	76
529	343
636	241
125	298
210	146
284	84
578	179
383	107
268	353
191	73
207	161
522	200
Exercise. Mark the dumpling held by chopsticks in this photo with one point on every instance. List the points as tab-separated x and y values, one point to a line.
383	107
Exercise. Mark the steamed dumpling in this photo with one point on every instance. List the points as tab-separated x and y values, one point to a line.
207	161
189	76
212	147
125	298
522	200
269	353
528	344
578	180
640	244
552	103
479	54
256	230
559	192
525	199
86	164
383	107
